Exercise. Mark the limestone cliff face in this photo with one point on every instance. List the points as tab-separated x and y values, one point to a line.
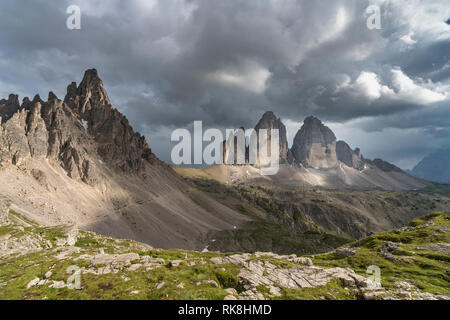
117	143
349	157
269	121
235	155
315	145
74	132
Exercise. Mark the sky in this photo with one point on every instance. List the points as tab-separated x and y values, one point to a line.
168	63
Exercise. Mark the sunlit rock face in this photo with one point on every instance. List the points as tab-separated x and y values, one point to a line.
315	145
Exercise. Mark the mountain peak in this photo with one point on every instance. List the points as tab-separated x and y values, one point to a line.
51	96
90	93
269	115
267	121
8	107
91	75
270	121
312	120
94	130
315	145
13	99
91	80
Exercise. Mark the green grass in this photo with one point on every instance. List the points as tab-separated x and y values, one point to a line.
424	266
332	291
50	233
19	271
5	229
427	270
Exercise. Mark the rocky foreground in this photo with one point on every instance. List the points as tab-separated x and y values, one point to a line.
65	263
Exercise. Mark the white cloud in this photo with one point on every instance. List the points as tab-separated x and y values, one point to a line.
369	84
403	88
425	19
407	90
407	38
251	79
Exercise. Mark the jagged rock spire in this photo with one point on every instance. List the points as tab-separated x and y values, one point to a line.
9	107
51	96
88	94
91	87
74	132
270	121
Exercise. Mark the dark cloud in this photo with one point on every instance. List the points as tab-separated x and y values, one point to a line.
166	63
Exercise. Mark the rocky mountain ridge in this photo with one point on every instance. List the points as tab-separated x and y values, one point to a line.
79	161
70	131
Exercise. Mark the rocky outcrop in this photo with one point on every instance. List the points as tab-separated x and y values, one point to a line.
74	132
265	273
315	145
349	157
236	155
269	121
117	143
8	107
257	270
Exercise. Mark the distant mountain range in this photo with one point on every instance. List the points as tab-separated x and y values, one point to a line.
434	167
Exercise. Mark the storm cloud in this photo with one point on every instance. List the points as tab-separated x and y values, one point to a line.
167	63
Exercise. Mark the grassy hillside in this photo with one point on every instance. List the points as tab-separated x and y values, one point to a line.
418	254
37	262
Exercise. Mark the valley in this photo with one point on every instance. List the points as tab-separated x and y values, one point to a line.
311	220
83	197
